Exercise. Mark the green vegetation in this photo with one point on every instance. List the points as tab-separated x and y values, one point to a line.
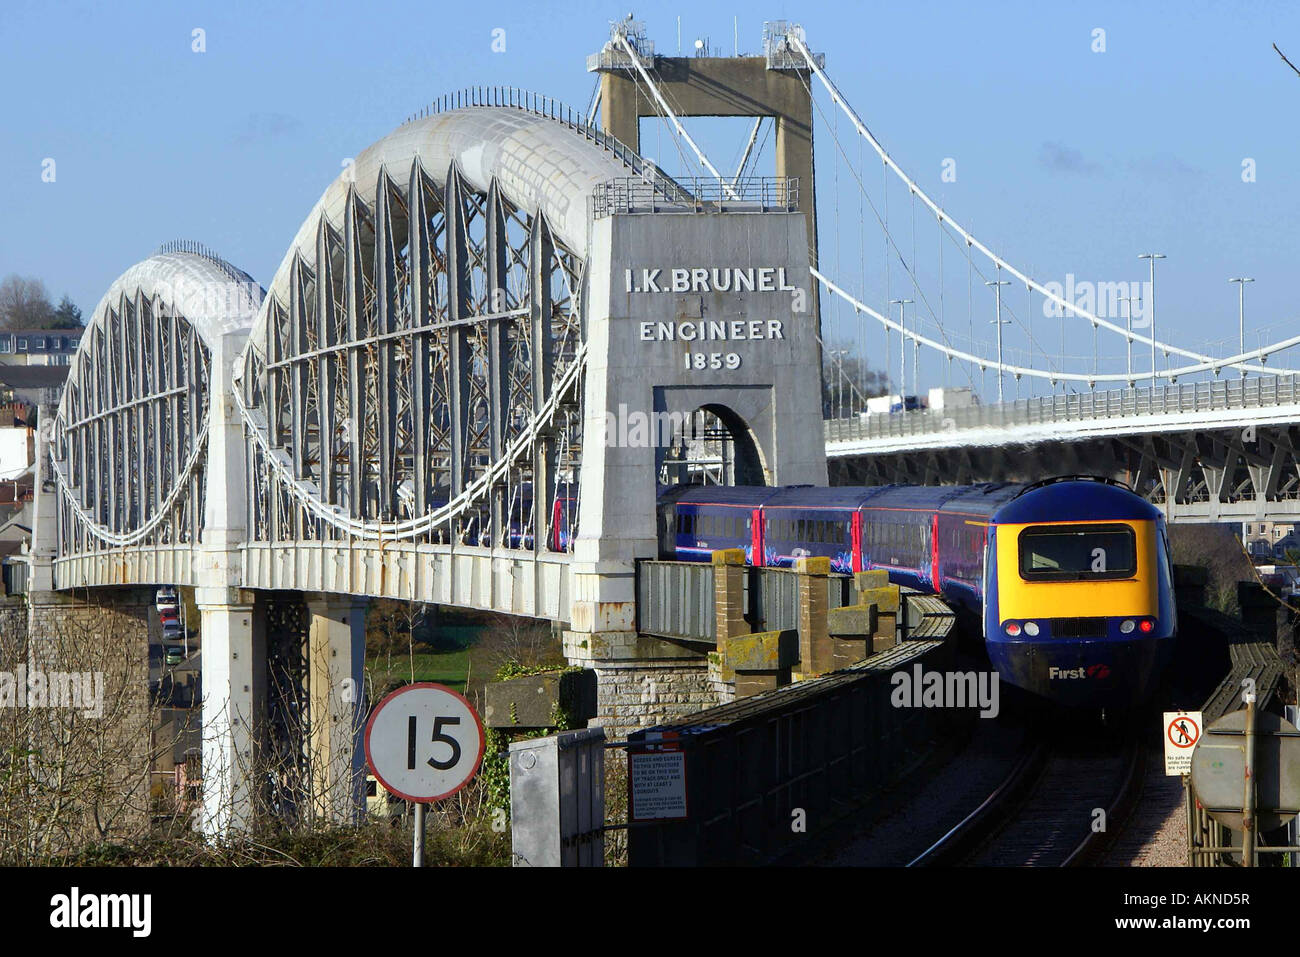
450	668
468	841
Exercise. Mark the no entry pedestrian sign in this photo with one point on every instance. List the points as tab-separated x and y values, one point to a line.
1182	729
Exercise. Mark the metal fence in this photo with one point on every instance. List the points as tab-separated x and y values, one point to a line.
516	98
1252	393
702	194
772	597
676	599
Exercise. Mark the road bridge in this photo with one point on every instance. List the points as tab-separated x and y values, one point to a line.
1202	451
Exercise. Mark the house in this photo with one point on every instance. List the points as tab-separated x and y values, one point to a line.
38	385
1262	538
38	347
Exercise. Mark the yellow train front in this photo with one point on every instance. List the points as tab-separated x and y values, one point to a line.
1079	603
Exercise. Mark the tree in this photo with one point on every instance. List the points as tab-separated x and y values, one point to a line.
847	381
1218	549
66	316
24	303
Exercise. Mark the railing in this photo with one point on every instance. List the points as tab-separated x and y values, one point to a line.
701	195
198	249
1257	392
676	599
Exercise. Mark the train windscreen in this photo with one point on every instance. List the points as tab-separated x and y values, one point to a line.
1077	552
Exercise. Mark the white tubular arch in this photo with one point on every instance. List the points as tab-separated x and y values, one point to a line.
423	331
130	430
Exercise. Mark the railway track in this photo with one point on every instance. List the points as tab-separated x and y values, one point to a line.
1041	814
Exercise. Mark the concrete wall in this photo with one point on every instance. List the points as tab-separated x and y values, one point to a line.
662	289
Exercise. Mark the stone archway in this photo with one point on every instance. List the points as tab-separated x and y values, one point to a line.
712	445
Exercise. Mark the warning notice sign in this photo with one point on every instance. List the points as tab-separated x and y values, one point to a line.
1182	729
658	785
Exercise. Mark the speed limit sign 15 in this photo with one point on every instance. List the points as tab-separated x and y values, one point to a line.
424	742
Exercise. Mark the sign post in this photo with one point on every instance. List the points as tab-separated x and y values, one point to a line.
1182	729
424	742
657	772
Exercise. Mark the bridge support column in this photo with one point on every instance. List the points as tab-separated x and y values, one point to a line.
816	650
234	703
336	651
729	622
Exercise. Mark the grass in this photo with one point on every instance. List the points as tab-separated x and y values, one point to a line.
448	668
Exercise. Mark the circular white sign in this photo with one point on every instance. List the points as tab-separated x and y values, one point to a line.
424	742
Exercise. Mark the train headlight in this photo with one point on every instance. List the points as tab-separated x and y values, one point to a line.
1147	625
1012	628
1127	625
1031	628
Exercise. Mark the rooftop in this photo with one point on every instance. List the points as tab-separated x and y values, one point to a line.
33	377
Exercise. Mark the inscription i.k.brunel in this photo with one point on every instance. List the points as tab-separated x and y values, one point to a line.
703	279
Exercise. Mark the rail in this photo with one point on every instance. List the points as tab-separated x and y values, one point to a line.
512	97
676	599
1253	393
703	195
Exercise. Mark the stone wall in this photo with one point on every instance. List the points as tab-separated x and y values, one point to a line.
642	681
86	713
639	694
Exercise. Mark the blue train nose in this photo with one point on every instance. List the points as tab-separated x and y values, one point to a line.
1109	672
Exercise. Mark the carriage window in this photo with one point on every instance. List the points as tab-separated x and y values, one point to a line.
1077	552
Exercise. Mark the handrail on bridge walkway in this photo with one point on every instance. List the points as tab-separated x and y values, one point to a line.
1189	398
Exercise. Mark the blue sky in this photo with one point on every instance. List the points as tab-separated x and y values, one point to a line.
1068	161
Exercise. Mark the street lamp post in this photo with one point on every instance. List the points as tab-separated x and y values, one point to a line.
902	348
1151	330
1241	315
998	323
1128	325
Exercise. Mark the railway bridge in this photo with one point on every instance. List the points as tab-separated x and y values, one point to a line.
490	340
441	397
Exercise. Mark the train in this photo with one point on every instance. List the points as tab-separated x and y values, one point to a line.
1071	578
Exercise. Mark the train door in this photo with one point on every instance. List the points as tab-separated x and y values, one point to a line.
558	536
756	538
667	532
934	554
855	534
